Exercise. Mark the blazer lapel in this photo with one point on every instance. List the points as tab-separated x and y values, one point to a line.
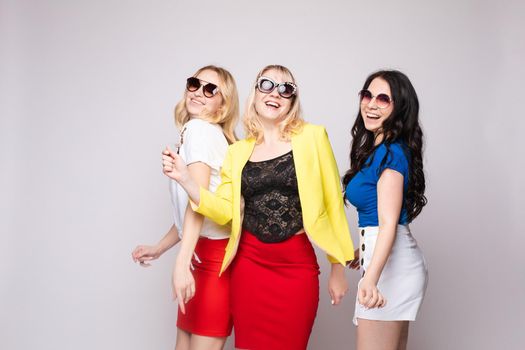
244	154
309	181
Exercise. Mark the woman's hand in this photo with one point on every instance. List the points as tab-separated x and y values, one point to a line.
183	285
144	253
369	296
173	166
337	283
354	264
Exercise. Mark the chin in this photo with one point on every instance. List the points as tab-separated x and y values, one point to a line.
194	111
269	117
371	128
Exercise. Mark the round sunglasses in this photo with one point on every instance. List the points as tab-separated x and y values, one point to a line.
208	89
382	100
267	85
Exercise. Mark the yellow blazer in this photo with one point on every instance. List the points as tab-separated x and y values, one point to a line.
320	194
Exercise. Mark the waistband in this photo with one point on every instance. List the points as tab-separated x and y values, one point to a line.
296	249
371	230
210	249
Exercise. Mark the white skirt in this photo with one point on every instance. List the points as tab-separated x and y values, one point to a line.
403	280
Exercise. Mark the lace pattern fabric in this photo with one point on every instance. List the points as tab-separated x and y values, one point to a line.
272	209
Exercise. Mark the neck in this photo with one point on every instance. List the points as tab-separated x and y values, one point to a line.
378	138
270	131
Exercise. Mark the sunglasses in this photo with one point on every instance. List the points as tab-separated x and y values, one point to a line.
267	85
209	89
382	100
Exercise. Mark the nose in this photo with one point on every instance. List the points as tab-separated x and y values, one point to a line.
275	92
372	103
199	92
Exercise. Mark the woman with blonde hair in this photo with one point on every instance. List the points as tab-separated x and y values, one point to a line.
280	190
206	118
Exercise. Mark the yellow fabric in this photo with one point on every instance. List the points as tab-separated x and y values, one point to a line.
320	194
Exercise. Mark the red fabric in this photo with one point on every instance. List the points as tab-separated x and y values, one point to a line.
208	312
274	293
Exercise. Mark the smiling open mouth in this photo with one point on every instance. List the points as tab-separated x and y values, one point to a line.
197	102
273	104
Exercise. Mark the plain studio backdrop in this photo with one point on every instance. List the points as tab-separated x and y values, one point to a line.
87	95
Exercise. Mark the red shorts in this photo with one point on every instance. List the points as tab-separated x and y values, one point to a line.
275	293
208	312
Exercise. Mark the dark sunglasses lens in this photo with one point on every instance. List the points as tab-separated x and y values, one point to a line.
366	96
210	90
286	90
193	84
266	85
382	100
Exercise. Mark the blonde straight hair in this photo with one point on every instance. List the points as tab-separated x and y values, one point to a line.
227	115
293	122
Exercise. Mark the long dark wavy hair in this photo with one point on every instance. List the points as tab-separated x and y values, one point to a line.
402	126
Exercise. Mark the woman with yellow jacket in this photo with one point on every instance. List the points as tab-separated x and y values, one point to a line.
280	189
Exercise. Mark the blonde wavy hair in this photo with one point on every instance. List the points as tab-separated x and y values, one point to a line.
227	115
293	122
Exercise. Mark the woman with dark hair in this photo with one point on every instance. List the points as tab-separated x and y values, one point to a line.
386	184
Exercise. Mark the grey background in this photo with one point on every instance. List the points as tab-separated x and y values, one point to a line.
87	92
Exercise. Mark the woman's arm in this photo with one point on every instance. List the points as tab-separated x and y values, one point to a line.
333	200
183	281
144	253
337	283
174	167
217	206
389	204
333	197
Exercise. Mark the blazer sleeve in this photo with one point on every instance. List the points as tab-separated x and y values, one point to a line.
333	198
218	206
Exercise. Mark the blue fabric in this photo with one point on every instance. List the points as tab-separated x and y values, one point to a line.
361	191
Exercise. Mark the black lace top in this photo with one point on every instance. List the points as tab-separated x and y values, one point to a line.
272	210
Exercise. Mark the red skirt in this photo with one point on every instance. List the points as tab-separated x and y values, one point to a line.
274	293
208	312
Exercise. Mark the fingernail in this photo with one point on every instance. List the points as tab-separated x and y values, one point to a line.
333	302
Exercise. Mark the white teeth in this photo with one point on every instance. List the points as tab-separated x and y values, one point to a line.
272	104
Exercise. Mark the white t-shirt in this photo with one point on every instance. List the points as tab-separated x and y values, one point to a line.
201	142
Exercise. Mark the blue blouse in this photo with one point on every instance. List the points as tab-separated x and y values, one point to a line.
361	191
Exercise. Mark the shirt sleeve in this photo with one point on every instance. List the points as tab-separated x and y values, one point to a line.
393	157
333	199
204	142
